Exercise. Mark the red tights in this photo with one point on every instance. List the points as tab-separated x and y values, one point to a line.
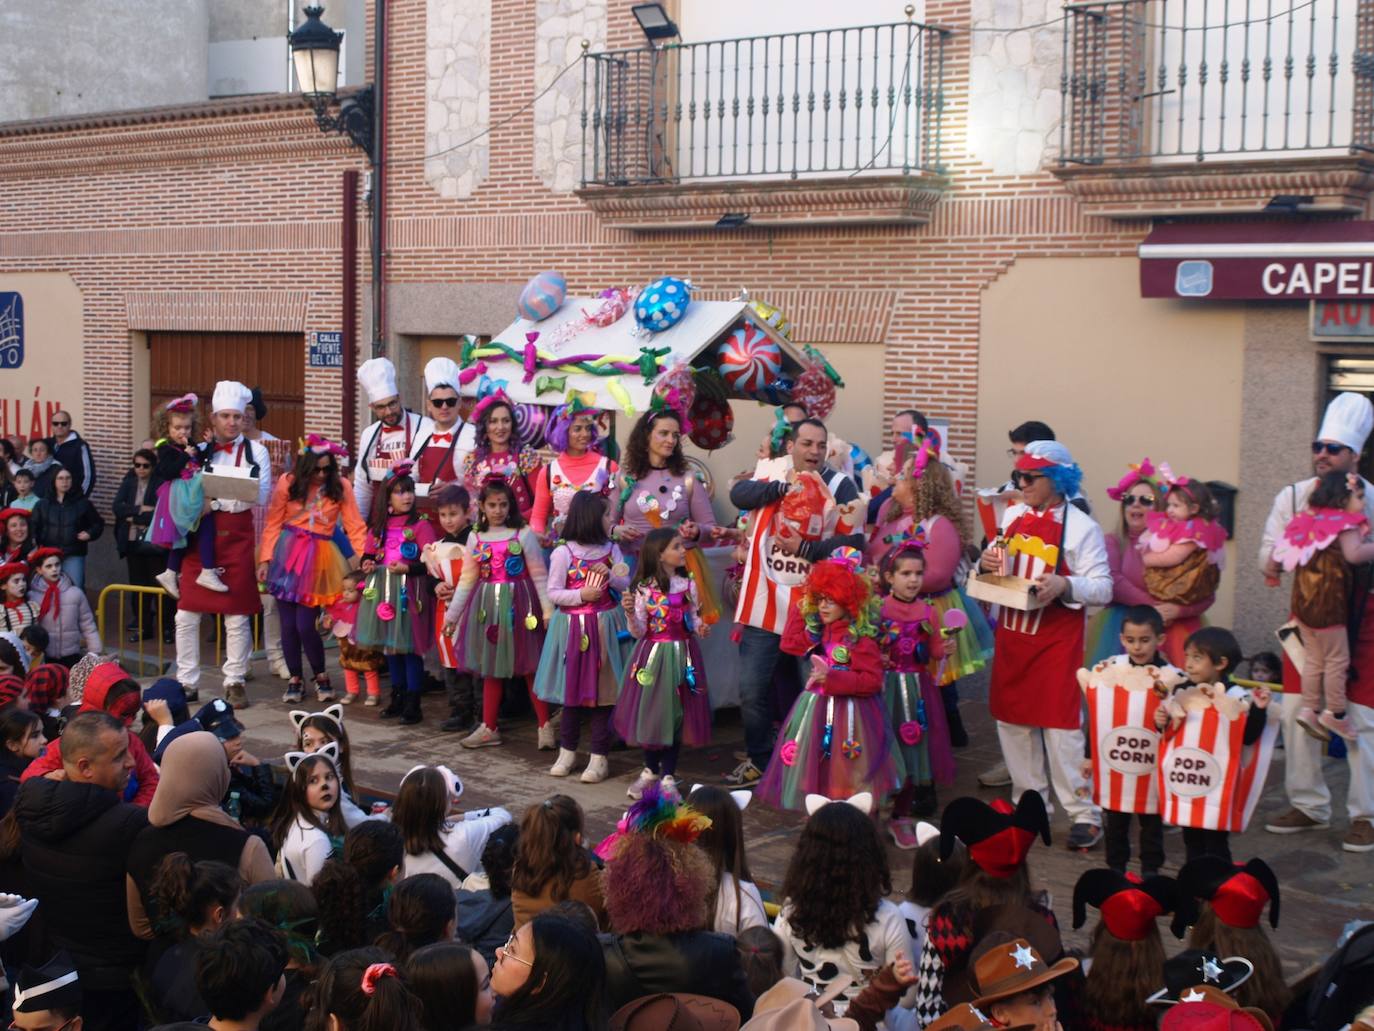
491	701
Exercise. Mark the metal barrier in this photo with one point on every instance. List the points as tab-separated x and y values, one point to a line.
165	610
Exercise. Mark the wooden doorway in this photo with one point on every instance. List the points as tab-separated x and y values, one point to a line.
273	362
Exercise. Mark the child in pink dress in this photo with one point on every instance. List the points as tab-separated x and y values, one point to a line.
1322	581
1183	547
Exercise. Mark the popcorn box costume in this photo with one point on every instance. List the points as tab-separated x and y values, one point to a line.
836	740
1194	579
1122	700
445	562
499	604
1208	777
909	643
664	691
583	661
397	609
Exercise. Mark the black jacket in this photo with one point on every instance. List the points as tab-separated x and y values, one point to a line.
484	921
55	525
700	962
75	454
75	841
126	511
11	769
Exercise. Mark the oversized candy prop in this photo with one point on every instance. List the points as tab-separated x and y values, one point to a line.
712	421
749	360
662	304
530	423
542	296
815	391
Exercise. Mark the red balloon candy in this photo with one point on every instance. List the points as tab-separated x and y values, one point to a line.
815	392
712	421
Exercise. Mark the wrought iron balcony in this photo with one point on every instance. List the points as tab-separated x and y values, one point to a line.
796	105
1204	80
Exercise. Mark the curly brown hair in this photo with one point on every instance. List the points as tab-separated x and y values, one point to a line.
1266	989
836	877
1123	973
934	495
636	462
162	420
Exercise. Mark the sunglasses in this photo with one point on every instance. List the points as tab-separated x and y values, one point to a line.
444	402
143	465
506	952
1026	479
61	422
1331	449
328	467
1138	499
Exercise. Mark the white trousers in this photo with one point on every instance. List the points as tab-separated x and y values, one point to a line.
1028	751
271	630
1302	764
238	648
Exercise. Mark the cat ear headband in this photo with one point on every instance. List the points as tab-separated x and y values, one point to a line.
863	802
334	714
451	780
329	751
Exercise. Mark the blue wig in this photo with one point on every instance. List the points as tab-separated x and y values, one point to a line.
1066	479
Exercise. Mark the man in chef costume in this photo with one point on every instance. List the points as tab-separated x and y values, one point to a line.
439	452
235	551
390	438
1034	695
1339	441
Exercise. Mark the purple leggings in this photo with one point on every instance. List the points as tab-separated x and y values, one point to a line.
570	727
204	537
297	631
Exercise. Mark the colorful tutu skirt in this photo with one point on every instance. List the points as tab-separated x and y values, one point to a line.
583	661
501	632
1103	639
177	511
861	752
396	613
969	650
306	568
917	714
664	697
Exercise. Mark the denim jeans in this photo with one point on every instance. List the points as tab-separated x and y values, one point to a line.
75	567
760	654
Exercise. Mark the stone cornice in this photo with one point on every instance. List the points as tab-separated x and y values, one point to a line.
769	203
1337	184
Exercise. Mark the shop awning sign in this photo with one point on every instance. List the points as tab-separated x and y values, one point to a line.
1318	261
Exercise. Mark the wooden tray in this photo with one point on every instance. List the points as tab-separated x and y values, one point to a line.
1013	592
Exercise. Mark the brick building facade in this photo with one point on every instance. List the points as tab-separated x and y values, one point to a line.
988	293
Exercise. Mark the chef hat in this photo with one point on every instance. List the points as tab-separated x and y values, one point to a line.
441	372
230	396
378	378
1348	420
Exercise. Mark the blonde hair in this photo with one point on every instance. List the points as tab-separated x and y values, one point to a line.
934	493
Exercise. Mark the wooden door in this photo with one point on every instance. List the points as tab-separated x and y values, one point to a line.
273	362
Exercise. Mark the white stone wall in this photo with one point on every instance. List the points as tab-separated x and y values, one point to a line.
562	26
1014	99
458	93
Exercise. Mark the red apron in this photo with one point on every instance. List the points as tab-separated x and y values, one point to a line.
235	554
1037	654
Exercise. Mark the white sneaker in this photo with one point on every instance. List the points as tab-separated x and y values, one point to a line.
997	777
482	737
168	579
564	764
279	670
209	579
598	769
637	789
371	701
548	737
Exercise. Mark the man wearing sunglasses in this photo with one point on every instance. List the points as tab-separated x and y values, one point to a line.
1345	427
72	452
439	453
391	438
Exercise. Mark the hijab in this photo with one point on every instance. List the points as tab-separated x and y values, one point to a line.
195	777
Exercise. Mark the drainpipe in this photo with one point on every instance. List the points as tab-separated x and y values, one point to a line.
349	256
379	180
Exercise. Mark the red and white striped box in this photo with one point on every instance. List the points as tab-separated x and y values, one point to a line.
1122	700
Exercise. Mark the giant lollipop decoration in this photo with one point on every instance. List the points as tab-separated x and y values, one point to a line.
748	359
815	391
530	423
662	304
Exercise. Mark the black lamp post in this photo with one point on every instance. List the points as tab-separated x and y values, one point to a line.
315	53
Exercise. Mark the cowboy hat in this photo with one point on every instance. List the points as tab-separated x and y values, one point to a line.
675	1012
1009	967
1194	967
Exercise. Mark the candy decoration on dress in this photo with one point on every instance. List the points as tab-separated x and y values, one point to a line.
748	359
531	622
662	304
788	755
531	420
815	391
851	749
712	422
386	612
542	296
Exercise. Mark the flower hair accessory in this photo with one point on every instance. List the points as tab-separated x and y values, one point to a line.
401	468
1143	470
672	400
321	446
184	404
375	973
850	558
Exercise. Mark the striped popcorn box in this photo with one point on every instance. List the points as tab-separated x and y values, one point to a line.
1122	701
1206	773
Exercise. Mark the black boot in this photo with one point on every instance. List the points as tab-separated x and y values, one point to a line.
412	708
923	801
397	704
949	694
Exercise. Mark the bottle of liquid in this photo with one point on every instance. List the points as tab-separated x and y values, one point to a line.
234	807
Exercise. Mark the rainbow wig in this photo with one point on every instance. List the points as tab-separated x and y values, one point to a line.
656	880
847	587
562	418
1066	479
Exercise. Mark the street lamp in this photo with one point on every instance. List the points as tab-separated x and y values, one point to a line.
315	52
654	22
